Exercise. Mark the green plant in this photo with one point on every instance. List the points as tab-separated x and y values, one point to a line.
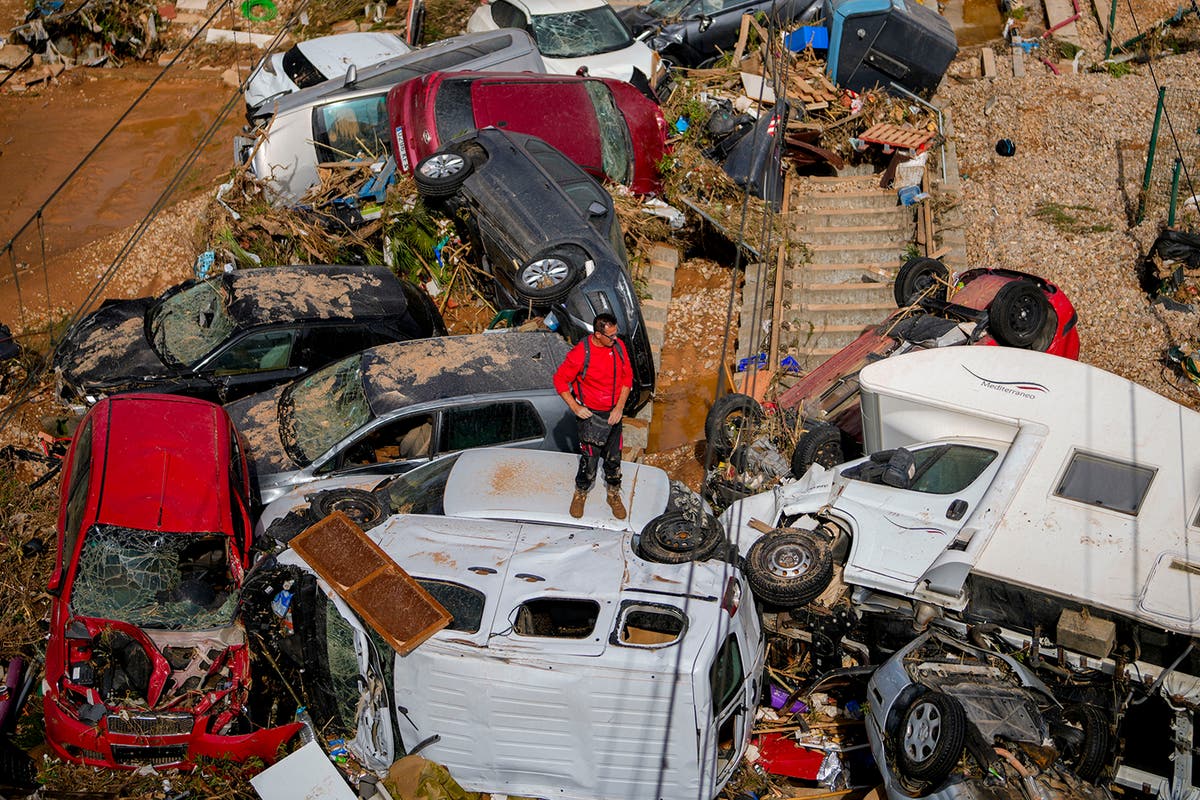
1118	69
1062	218
911	251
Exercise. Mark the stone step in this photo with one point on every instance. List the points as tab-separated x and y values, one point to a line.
881	235
857	198
847	293
857	253
860	314
655	309
840	273
848	216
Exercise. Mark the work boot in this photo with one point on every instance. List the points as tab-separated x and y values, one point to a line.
614	502
577	501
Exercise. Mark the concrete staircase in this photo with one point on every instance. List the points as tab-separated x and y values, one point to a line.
853	236
660	283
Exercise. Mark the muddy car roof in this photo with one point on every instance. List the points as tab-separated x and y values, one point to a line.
423	370
267	295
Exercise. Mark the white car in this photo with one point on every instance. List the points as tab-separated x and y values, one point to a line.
311	62
574	34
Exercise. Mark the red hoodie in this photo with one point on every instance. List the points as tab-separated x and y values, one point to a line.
608	370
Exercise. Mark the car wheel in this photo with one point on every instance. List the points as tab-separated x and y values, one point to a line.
441	175
930	739
919	278
677	538
1017	314
821	443
789	567
729	421
1088	751
548	277
360	506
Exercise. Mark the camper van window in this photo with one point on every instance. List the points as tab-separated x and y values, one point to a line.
559	618
726	675
648	625
951	470
1105	482
464	603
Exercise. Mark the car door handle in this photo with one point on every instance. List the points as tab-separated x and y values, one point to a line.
957	510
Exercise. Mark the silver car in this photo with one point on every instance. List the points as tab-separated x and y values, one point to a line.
393	407
346	118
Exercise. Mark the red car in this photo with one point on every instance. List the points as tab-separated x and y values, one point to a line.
145	664
989	307
605	126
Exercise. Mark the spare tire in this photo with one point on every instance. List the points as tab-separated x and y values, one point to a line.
1018	313
789	567
442	174
675	537
821	443
921	277
1090	753
729	416
359	505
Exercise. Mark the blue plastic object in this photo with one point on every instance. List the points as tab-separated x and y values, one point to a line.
816	36
681	125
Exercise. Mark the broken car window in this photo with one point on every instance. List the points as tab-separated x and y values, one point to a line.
616	152
669	9
317	412
187	326
343	663
464	603
556	618
419	491
173	581
575	34
302	72
352	129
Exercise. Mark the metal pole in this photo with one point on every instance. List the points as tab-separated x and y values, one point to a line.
1141	212
1112	21
1174	192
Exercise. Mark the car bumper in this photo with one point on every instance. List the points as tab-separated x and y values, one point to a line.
145	743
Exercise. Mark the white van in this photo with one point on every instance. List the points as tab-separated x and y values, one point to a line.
572	667
346	118
1017	469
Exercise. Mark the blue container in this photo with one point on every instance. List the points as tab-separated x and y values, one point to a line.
879	42
816	36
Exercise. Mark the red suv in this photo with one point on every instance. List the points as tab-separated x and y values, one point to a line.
145	663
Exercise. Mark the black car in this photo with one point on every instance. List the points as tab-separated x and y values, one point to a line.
547	233
693	33
239	332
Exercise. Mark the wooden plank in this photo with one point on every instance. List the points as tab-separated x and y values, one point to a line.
1057	14
927	208
1102	14
743	35
780	266
989	63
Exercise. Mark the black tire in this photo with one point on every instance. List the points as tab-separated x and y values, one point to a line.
930	738
1017	314
677	538
548	277
921	277
1090	753
359	505
789	568
441	175
821	443
728	417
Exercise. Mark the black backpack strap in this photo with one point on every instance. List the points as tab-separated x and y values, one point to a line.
577	384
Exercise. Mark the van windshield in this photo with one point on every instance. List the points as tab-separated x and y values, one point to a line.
575	34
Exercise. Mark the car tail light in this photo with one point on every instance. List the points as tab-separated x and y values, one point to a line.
732	597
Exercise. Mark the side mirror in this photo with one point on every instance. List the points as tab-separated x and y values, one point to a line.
705	22
351	76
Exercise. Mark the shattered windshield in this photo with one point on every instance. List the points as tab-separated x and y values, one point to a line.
419	491
575	34
667	9
320	410
172	581
187	326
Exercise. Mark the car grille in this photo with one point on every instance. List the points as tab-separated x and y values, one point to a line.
150	724
148	756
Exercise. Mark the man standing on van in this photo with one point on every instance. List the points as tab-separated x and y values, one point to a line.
595	380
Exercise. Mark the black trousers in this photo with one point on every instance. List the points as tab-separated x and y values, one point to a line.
590	457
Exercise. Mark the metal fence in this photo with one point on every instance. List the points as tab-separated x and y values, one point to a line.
1172	172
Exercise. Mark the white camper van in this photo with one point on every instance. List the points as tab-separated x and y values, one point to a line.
1008	467
572	667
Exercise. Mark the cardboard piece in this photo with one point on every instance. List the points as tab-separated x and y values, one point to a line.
306	773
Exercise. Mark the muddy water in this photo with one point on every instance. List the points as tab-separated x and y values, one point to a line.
45	132
975	22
